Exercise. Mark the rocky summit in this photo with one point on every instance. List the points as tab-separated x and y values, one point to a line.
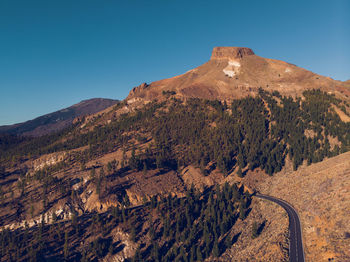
230	52
236	72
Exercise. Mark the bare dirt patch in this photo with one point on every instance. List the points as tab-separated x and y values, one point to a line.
344	117
270	245
321	194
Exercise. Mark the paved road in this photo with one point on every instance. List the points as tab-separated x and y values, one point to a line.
296	251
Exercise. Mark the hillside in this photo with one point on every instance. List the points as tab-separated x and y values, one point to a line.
169	174
58	120
117	160
321	194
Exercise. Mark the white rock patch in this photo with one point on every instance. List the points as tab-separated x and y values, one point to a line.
234	63
288	70
131	101
232	68
229	73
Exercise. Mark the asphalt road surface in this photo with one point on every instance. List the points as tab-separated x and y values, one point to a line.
296	251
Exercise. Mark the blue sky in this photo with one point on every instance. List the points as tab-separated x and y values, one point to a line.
56	53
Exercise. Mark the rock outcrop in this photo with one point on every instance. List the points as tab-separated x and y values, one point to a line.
228	52
138	89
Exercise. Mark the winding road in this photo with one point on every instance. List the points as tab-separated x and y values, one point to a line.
296	250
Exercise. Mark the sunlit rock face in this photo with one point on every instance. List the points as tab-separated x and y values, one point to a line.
237	72
227	52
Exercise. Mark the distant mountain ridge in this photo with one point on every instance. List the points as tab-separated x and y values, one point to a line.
58	120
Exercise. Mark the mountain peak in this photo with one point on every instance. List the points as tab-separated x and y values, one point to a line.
236	72
230	52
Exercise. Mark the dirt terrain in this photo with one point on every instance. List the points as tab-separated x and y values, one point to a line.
272	243
321	194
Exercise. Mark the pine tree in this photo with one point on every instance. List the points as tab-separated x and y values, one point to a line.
193	253
111	249
126	200
93	174
239	172
82	166
255	229
74	222
216	250
102	173
166	227
199	254
241	211
54	216
151	232
159	162
183	256
114	164
155	252
65	248
109	167
133	234
123	214
84	256
137	257
134	161
228	241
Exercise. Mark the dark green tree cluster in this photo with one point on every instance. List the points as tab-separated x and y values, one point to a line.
191	228
252	132
293	118
195	227
206	132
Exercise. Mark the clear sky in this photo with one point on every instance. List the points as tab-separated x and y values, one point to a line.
54	53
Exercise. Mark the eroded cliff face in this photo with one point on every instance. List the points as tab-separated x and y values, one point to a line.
230	52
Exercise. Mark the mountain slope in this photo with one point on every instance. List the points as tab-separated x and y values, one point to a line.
235	72
321	194
58	120
142	178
